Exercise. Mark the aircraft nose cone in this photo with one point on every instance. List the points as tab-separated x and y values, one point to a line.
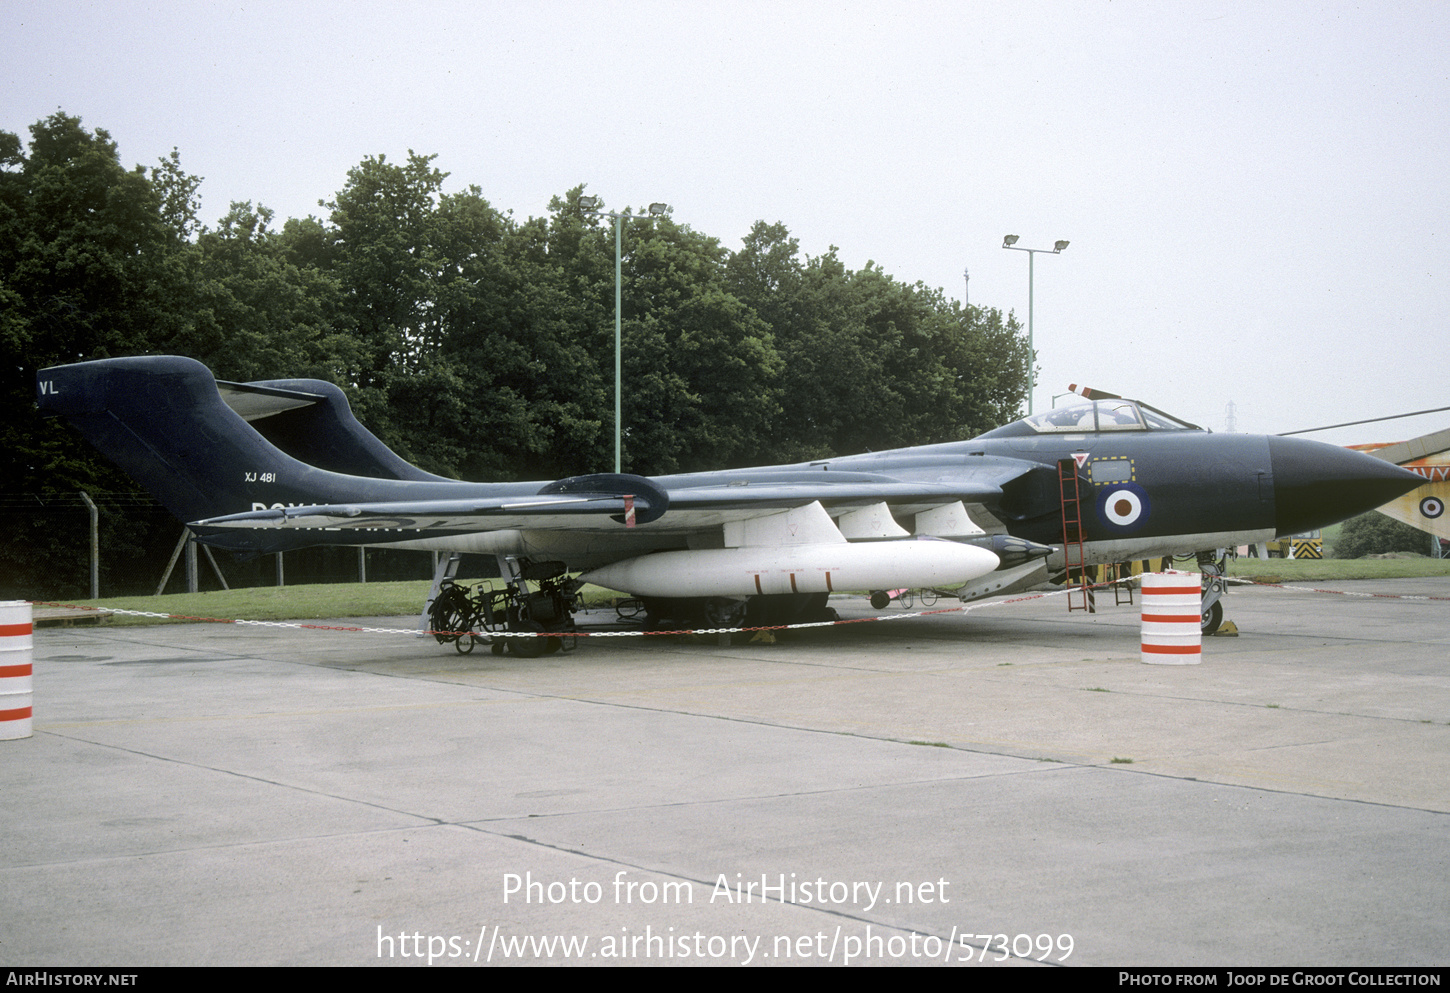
1316	485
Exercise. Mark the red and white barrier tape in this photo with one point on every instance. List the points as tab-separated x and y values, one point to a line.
1313	589
572	634
964	608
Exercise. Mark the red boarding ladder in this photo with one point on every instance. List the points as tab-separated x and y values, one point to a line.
1074	557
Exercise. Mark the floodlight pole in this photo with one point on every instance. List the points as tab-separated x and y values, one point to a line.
1010	241
591	205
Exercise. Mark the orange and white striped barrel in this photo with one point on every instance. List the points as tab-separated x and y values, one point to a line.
1172	618
15	651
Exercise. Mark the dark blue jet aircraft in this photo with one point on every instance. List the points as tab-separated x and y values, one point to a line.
272	466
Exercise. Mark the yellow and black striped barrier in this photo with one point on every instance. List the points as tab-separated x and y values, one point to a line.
1308	548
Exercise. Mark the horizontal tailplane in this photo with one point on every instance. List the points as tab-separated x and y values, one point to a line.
318	428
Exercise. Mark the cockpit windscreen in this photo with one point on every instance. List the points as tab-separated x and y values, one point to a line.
1094	416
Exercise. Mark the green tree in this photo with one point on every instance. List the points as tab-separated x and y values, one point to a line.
255	313
475	345
869	362
475	358
516	329
700	365
1375	534
88	269
180	204
384	254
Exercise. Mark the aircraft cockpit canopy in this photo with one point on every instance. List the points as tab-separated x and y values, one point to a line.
1091	416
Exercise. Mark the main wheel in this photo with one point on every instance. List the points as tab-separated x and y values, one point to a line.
723	612
531	647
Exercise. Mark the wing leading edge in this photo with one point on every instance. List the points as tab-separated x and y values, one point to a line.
656	509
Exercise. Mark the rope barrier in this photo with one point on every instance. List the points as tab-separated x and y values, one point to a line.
1313	589
570	634
879	618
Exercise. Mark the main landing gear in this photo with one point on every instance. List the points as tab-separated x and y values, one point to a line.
457	614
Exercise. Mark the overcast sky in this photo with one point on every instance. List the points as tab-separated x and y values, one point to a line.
1255	193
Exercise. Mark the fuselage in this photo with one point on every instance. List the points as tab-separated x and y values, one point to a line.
1146	484
1139	482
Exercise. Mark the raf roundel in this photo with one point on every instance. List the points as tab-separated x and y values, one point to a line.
1432	507
1123	507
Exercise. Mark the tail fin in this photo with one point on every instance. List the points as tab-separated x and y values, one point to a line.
162	420
1424	508
1427	456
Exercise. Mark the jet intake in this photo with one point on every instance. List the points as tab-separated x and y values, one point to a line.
814	568
649	500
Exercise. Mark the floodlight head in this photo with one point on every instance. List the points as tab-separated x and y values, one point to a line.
657	209
590	203
1009	240
1059	246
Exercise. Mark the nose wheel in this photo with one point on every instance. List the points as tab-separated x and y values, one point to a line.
1212	618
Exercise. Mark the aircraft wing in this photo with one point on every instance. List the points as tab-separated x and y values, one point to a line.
1406	452
431	515
677	510
701	507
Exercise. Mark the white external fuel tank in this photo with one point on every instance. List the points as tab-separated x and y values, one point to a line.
807	568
